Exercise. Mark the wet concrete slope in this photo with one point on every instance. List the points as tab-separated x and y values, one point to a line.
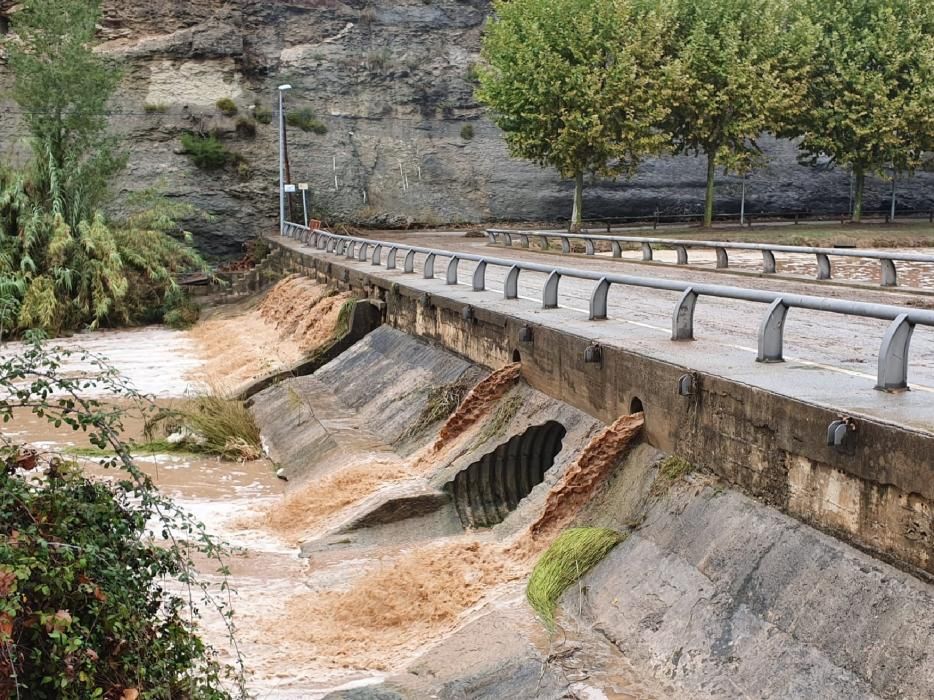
724	597
363	401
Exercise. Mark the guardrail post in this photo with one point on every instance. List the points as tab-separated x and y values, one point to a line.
550	292
565	245
524	238
598	300
589	247
682	254
479	277
646	251
893	355
321	243
723	260
682	322
617	249
823	267
511	285
391	258
889	275
507	240
363	248
451	276
768	262
771	333
543	240
408	265
377	255
491	235
428	269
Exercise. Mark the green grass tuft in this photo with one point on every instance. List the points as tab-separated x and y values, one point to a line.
442	402
497	423
305	120
670	470
226	106
573	554
226	426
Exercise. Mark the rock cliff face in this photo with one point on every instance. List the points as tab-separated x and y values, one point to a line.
390	82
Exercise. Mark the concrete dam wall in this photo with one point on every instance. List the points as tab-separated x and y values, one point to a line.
430	497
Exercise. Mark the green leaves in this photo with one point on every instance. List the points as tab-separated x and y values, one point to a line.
870	100
577	84
84	610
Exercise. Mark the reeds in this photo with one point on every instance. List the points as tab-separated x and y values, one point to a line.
571	555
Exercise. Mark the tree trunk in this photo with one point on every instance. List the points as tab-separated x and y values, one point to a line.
708	199
858	195
577	211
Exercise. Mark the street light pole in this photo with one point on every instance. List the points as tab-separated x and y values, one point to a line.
282	89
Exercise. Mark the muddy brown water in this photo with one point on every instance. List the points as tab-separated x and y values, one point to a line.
269	578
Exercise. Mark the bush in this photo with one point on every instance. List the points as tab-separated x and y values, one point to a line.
227	106
305	120
262	114
573	554
206	152
181	311
85	611
217	425
467	132
246	128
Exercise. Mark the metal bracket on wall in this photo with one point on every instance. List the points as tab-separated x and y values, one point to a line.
593	354
525	334
841	435
686	383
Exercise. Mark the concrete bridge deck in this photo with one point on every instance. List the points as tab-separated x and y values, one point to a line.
830	359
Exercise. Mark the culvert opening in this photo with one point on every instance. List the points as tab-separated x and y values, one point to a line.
487	491
516	357
635	406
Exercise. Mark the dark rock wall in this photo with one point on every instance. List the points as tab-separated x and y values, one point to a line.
390	82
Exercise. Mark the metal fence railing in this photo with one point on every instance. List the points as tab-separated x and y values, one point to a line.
893	354
749	218
887	260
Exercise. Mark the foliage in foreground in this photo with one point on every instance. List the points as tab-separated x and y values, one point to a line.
86	566
573	554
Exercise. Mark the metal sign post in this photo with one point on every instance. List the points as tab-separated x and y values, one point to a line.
303	186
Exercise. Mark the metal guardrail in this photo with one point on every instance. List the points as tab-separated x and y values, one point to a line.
893	354
681	246
748	218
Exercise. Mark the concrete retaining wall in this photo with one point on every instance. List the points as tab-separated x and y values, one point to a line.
878	497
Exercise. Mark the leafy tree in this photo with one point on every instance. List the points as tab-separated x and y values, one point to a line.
577	84
739	68
84	607
62	87
870	93
63	264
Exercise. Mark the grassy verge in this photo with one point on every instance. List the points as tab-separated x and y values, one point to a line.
572	555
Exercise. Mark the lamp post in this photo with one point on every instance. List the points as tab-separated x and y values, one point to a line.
282	89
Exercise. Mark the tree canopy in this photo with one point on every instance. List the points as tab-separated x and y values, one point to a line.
870	91
63	263
577	84
739	68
